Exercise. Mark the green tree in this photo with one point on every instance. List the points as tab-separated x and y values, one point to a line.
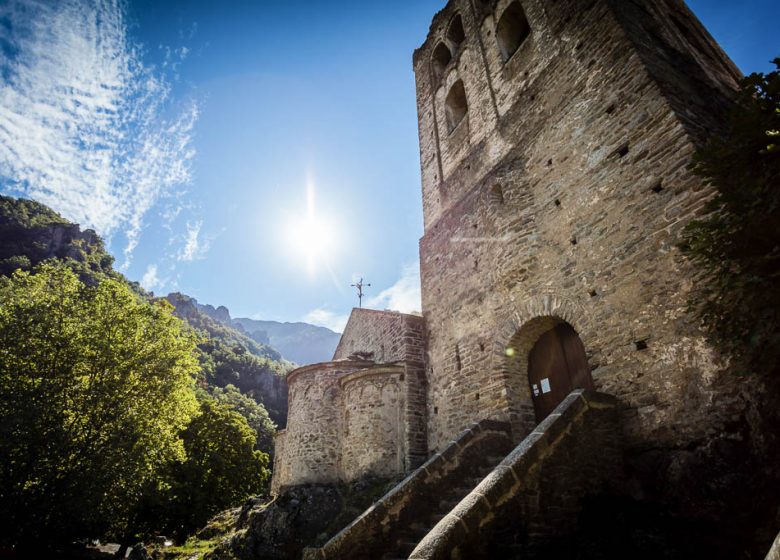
255	414
222	467
96	386
737	245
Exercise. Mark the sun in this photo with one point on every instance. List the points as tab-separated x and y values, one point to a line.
311	237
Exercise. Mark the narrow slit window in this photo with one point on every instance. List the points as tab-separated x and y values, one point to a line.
497	194
441	58
512	30
456	105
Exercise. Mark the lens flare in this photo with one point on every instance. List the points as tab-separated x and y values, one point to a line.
311	237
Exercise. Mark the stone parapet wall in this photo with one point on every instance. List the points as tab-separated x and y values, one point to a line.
774	552
534	495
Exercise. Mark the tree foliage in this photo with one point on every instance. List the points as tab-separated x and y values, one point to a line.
96	386
737	245
222	467
255	414
101	430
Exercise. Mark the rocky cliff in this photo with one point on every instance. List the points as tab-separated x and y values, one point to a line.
31	233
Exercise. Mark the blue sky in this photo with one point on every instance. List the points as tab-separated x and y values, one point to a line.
201	136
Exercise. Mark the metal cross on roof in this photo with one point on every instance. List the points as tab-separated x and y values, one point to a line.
360	285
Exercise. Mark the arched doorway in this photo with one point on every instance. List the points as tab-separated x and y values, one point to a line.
557	365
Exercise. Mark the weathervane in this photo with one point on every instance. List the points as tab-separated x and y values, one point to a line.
360	287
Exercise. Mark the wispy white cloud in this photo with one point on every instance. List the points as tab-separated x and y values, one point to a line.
82	126
326	318
150	281
195	245
404	295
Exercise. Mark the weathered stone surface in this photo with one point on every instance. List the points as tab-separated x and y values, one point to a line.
561	196
362	414
535	495
555	187
303	516
386	524
548	130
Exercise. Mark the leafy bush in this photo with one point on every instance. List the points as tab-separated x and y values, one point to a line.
737	246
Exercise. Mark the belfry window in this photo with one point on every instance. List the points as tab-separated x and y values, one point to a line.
455	33
441	58
512	30
456	105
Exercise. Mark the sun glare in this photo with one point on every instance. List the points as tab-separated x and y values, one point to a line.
311	237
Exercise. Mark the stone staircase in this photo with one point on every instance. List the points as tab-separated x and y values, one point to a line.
409	537
479	498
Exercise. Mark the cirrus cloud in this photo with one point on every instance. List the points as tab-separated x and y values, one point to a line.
81	117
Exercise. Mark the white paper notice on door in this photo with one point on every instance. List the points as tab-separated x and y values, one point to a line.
546	386
536	390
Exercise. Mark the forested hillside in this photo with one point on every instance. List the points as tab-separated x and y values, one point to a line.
123	415
31	233
229	357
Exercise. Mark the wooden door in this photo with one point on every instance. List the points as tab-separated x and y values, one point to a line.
556	366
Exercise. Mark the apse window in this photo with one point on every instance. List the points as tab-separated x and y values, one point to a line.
512	30
455	33
456	106
441	58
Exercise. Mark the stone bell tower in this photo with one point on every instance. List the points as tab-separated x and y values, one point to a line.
554	139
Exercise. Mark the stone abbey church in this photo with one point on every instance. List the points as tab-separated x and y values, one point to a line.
555	356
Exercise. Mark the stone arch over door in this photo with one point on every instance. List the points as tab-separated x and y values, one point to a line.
512	348
557	365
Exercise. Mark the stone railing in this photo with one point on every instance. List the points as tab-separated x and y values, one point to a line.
774	552
368	535
534	494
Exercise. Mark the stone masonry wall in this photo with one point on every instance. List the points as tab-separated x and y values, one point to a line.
362	414
382	336
390	337
774	552
310	450
372	440
373	533
561	196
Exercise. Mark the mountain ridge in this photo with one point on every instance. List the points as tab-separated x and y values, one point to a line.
300	342
296	341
